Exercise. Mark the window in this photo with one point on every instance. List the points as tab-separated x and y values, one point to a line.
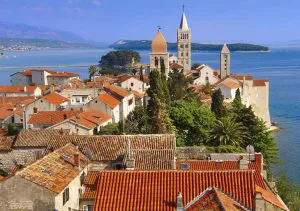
131	84
130	101
206	79
181	54
87	207
181	46
186	45
66	196
35	110
156	61
187	54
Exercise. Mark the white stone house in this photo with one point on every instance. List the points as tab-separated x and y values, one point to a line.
204	74
107	104
85	123
51	102
173	59
42	77
79	96
127	99
20	91
131	82
53	182
228	89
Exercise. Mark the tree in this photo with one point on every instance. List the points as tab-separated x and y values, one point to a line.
119	59
110	129
237	103
156	109
137	121
141	73
217	105
177	84
289	192
208	89
166	97
93	69
227	132
193	122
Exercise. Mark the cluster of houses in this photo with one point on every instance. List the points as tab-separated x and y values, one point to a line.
69	103
56	170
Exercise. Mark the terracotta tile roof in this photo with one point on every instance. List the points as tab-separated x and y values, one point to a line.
117	90
20	100
90	118
213	165
62	74
49	118
26	72
37	138
17	89
110	147
214	199
6	143
100	82
124	77
55	98
231	84
153	159
241	77
56	170
270	197
174	66
216	73
260	82
108	100
90	184
138	95
159	44
157	190
5	113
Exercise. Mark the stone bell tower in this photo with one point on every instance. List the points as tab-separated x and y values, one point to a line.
184	43
224	62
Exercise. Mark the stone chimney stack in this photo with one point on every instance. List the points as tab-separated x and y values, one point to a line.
179	202
243	164
259	202
77	158
130	161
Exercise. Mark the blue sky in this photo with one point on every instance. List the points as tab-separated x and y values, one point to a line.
261	21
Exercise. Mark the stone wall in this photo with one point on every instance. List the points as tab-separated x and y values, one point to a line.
20	194
22	156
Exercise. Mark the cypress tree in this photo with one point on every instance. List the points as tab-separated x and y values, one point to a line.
217	105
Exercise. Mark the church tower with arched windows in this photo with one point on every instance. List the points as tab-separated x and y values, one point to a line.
224	61
159	56
184	44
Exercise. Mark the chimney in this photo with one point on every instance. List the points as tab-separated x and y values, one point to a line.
259	202
243	164
76	158
130	161
65	116
179	202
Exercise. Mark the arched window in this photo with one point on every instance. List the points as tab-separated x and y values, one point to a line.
156	61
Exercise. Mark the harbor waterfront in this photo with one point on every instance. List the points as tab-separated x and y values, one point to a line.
281	66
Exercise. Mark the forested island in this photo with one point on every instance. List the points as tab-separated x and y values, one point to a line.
146	45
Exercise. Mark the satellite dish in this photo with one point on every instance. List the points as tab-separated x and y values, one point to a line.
250	149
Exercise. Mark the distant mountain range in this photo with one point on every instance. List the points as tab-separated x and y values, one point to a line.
24	31
146	45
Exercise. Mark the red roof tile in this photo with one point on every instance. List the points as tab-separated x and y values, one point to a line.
260	82
108	100
55	98
6	143
117	90
231	85
17	89
241	77
20	100
270	197
49	118
157	190
174	66
56	170
212	165
90	118
215	199
62	74
90	184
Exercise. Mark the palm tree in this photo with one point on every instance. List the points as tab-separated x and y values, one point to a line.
93	69
228	132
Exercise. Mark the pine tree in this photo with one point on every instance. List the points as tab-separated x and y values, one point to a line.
141	73
165	89
177	84
217	105
237	104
